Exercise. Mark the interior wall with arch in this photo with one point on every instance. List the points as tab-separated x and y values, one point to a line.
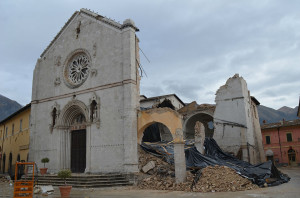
157	132
190	122
169	120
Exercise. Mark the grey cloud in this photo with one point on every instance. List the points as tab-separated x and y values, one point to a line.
194	46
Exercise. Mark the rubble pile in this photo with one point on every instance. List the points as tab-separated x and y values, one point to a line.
220	179
151	165
159	182
159	175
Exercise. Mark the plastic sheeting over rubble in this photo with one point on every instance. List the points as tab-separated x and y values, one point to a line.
259	174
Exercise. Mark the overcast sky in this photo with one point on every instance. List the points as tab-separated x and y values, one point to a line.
193	46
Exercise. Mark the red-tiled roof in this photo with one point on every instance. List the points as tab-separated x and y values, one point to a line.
281	124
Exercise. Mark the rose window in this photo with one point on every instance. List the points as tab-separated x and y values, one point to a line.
77	70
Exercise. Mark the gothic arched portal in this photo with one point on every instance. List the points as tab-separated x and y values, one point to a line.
73	123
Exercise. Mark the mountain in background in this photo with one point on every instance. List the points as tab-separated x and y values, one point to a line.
8	107
271	115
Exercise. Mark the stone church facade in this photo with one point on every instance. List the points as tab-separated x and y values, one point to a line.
85	97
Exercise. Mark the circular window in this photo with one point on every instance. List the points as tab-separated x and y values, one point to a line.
77	70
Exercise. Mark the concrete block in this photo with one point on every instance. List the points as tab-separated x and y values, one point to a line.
150	165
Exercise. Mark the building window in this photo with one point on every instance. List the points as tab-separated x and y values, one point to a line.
289	137
12	129
6	131
268	139
21	125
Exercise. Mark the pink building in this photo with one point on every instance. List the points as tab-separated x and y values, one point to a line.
282	142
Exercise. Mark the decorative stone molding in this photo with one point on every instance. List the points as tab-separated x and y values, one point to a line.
94	72
57	81
77	68
57	61
78	29
94	50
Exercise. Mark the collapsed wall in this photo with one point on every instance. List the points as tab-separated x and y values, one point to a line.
236	127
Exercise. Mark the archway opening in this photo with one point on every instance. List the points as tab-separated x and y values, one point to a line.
270	155
205	119
292	157
157	132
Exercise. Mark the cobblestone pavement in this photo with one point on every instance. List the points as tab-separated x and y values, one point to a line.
290	189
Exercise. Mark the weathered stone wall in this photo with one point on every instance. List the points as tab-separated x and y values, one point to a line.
259	149
113	81
233	119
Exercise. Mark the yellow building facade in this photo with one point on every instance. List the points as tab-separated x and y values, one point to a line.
14	139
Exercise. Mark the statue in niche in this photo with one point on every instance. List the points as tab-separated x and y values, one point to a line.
54	116
94	111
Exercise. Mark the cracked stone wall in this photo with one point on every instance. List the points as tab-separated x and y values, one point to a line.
235	126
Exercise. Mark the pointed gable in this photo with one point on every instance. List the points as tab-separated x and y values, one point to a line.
88	13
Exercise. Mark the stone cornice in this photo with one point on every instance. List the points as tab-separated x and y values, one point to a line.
106	86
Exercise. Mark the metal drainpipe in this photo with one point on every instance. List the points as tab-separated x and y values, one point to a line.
278	128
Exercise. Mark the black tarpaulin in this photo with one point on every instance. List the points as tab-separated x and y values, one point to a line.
258	174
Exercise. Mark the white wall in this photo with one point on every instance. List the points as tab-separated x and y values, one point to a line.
112	146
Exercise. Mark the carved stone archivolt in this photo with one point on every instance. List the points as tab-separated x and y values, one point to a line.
71	112
77	68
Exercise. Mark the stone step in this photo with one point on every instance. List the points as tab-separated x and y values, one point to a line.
89	186
84	181
81	176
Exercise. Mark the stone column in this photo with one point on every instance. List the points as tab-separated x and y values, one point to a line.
199	136
88	148
130	99
179	157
